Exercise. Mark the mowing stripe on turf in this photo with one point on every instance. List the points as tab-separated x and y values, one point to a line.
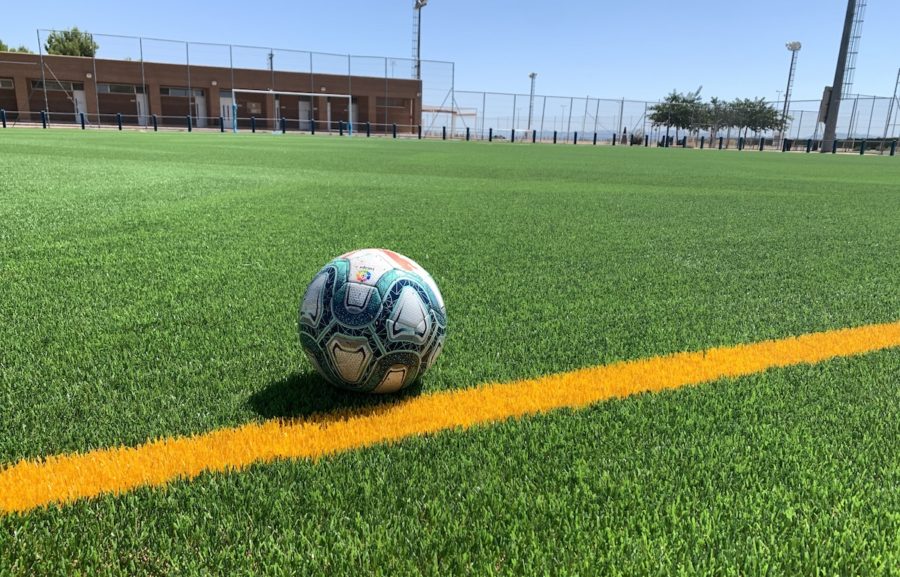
62	478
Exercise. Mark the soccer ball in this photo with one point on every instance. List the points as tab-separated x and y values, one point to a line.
372	320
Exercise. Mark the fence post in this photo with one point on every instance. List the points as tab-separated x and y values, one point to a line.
368	129
684	141
155	124
80	114
467	134
646	141
443	132
862	147
119	120
893	147
341	128
762	144
614	138
394	129
554	137
490	135
595	139
808	145
284	125
834	146
784	145
44	118
702	141
221	124
575	138
420	132
533	136
3	116
721	142
190	123
253	125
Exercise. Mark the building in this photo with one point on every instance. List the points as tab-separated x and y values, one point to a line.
138	91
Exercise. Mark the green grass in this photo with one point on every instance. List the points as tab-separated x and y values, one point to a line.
149	286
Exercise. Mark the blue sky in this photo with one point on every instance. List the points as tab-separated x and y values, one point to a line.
637	49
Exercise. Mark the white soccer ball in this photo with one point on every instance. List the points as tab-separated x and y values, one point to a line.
372	320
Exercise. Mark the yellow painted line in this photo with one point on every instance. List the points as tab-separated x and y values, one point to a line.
63	478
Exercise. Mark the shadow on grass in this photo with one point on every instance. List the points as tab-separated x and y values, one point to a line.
304	394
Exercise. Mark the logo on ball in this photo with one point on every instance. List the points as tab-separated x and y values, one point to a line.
372	320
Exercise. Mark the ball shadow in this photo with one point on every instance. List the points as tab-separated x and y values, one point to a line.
304	394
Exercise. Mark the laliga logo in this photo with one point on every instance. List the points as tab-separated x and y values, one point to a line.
363	275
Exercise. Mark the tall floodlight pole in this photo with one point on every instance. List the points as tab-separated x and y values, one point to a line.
834	100
533	75
418	18
794	47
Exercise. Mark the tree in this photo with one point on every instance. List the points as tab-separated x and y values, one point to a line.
6	48
719	116
681	111
756	115
72	42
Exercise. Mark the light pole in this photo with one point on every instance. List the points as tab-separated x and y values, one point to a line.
418	8
533	75
794	48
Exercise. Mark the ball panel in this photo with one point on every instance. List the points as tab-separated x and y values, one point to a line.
350	357
393	380
356	305
391	362
409	320
313	301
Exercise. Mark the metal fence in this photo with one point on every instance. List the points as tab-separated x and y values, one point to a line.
493	115
458	114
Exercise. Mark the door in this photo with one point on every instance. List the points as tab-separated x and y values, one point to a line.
200	101
140	101
277	119
225	111
305	114
80	104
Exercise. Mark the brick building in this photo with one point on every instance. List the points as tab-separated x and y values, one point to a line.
101	89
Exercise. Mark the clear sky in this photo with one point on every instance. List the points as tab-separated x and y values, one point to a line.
638	49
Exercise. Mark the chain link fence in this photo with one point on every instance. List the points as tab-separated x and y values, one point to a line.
445	113
521	117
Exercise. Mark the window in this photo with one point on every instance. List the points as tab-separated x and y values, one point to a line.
183	92
6	84
391	102
63	85
119	89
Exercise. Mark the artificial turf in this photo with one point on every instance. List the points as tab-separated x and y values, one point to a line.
149	286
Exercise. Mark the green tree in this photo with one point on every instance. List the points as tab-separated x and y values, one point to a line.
719	116
72	42
4	47
679	111
755	115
